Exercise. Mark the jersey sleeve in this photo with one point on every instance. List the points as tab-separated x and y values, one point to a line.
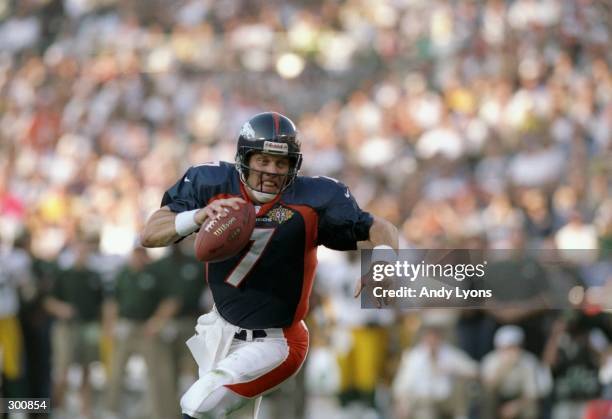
341	222
186	194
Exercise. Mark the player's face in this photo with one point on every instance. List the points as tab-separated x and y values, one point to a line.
268	172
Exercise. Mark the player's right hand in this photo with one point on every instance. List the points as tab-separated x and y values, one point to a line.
217	208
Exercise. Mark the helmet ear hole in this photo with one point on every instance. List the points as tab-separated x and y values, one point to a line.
241	167
298	163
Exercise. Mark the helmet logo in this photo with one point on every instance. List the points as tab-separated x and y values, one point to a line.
278	148
247	131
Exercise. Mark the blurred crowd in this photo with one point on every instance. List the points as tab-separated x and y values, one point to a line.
468	124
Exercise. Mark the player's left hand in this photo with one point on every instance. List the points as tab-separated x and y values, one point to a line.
366	282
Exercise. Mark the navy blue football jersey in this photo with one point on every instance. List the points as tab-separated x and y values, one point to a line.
269	282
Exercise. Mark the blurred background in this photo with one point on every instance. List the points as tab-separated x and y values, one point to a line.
469	124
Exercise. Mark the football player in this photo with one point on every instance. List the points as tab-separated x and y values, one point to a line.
255	338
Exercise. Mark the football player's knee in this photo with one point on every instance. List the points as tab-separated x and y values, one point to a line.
202	396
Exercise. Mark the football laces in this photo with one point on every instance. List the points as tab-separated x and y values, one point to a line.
211	224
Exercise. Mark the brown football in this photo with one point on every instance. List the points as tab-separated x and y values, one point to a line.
221	238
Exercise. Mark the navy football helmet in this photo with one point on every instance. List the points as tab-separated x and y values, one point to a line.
269	133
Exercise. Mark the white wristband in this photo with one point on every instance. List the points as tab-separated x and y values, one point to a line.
185	224
383	253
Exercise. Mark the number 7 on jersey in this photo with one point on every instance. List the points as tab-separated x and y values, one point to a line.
259	240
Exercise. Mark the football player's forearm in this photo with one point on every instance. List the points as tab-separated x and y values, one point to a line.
160	229
382	232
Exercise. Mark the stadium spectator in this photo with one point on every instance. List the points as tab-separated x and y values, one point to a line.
192	296
76	305
509	376
430	380
573	353
140	308
360	338
16	286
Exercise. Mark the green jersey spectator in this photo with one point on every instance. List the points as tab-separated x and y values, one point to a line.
185	275
137	316
75	301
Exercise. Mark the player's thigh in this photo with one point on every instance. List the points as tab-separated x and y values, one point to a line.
261	366
249	360
212	395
